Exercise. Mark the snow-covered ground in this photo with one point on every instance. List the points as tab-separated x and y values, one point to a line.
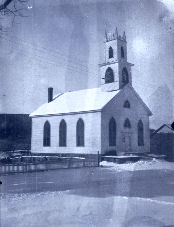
66	210
111	196
154	164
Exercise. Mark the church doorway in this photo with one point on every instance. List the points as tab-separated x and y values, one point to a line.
126	142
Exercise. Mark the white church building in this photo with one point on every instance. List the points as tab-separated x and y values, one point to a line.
110	118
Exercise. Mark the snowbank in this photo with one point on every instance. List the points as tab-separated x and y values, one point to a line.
3	155
140	165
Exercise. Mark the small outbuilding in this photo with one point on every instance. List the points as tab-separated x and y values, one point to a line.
162	141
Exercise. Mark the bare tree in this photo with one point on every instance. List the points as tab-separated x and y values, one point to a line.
12	8
5	4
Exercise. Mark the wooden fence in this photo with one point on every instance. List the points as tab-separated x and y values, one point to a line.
32	167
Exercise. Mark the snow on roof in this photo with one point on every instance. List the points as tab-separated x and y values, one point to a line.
76	101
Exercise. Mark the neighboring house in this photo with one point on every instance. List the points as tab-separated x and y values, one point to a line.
110	118
15	132
162	141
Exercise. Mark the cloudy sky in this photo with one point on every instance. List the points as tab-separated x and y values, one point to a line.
60	44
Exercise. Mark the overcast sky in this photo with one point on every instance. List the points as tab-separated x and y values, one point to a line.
60	44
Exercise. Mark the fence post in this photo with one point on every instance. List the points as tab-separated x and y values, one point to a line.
69	162
83	162
98	155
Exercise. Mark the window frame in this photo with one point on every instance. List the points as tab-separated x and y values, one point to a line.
140	133
80	133
62	133
122	52
111	52
112	132
127	123
47	134
127	104
125	76
109	75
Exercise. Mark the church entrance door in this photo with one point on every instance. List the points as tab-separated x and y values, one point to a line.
126	142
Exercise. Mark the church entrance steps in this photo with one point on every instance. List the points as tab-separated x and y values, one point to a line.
131	157
157	156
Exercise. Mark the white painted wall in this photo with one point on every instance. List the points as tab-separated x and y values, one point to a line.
136	112
96	128
92	123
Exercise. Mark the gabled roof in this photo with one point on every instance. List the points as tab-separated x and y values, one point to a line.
168	127
87	100
141	101
128	86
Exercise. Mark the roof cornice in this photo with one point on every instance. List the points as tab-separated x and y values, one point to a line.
63	114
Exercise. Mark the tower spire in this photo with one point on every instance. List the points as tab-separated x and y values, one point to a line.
116	70
124	36
116	32
106	35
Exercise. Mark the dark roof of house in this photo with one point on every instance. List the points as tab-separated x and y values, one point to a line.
168	126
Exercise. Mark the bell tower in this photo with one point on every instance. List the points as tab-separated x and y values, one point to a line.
115	72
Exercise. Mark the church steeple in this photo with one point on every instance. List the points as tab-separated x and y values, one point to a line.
115	71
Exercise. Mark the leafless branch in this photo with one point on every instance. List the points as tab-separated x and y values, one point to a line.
13	8
4	5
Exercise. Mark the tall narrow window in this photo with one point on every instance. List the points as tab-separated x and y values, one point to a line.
122	52
109	76
140	133
127	123
112	132
80	133
62	133
125	76
47	134
111	52
126	104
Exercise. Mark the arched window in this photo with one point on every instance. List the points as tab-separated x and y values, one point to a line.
122	52
112	132
111	53
62	133
126	104
80	133
125	76
109	76
127	123
140	133
47	134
